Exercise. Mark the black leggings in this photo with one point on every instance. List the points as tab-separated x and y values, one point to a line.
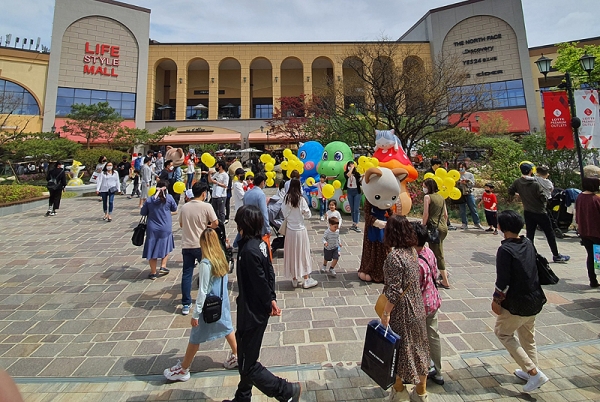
588	243
54	200
532	220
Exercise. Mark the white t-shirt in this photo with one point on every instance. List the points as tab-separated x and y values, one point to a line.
336	214
295	216
218	191
237	190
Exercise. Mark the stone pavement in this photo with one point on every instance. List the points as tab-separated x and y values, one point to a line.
80	321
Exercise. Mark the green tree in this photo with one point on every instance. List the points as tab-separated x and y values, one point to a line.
128	137
93	122
449	145
42	146
503	157
89	157
493	124
569	54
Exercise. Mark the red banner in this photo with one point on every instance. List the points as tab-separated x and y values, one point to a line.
559	133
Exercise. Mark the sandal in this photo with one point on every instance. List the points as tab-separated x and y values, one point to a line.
441	285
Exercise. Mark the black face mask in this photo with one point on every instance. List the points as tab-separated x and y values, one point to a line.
488	191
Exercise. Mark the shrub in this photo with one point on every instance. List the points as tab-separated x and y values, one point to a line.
18	192
89	157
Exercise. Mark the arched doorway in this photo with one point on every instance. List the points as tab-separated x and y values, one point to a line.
165	90
292	84
413	72
322	80
230	89
354	85
261	89
197	90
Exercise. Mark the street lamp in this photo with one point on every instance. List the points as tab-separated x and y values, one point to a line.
587	64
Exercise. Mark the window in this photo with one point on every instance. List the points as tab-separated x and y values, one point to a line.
122	102
263	111
495	95
15	99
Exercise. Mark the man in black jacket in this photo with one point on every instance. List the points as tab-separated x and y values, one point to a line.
123	171
256	303
57	181
518	298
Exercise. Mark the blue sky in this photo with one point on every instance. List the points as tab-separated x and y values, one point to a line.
547	21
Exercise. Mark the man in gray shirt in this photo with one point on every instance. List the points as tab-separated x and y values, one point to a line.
146	174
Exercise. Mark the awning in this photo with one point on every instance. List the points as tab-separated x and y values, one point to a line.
202	135
258	137
517	119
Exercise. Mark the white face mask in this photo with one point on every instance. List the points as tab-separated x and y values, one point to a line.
425	190
109	168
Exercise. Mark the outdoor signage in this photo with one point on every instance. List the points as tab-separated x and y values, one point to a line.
588	110
558	120
194	130
474	52
98	58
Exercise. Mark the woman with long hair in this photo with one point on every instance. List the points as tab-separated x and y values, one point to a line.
435	214
354	192
213	279
107	185
159	232
296	249
404	310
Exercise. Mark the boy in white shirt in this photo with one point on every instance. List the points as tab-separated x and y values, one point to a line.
237	189
331	246
542	178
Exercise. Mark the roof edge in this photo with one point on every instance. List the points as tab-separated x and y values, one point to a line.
125	5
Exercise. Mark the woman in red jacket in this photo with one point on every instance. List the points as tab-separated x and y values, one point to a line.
587	207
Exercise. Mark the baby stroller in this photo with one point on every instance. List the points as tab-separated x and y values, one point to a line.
559	210
227	249
275	220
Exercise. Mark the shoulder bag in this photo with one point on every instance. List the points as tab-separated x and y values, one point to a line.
430	270
545	273
434	233
213	305
54	183
139	232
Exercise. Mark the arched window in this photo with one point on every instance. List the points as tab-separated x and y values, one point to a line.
14	99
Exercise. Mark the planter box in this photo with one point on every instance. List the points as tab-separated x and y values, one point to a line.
23	205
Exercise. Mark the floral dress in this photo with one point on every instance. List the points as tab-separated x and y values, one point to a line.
401	272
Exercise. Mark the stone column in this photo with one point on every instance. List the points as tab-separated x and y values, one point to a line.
213	91
181	92
245	92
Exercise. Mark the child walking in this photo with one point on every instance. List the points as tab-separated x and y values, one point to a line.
490	204
332	212
213	278
322	200
135	176
331	246
542	174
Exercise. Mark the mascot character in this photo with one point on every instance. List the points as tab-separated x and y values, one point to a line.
381	187
178	157
390	154
310	154
333	162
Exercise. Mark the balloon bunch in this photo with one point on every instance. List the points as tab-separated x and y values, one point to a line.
291	163
208	159
329	189
269	162
446	182
366	162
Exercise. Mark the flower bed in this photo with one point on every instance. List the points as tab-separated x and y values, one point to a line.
14	193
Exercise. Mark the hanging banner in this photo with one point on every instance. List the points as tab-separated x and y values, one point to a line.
559	134
588	110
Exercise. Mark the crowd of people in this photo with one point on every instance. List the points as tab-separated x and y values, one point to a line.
412	271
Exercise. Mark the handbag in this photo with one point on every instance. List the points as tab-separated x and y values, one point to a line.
139	232
113	190
382	301
380	354
283	227
213	305
545	273
434	233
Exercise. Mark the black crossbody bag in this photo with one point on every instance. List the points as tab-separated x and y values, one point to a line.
213	305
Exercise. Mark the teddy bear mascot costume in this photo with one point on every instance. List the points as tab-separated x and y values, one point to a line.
177	156
381	187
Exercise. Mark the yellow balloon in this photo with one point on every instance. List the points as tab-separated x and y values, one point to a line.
360	169
362	160
328	191
443	192
310	181
300	169
455	194
288	153
270	182
454	174
179	187
269	166
249	174
271	175
284	165
337	184
441	172
208	159
375	162
368	165
151	191
438	181
429	175
448	182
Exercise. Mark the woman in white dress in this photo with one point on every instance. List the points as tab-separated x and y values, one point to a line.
296	260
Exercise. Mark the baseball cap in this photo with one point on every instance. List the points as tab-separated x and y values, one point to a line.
239	171
526	168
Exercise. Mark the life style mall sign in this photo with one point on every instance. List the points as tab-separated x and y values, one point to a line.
101	59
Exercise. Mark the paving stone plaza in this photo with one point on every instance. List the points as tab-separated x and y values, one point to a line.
80	321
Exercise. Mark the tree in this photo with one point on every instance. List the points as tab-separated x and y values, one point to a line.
42	146
93	122
12	125
299	117
568	61
449	145
493	124
128	137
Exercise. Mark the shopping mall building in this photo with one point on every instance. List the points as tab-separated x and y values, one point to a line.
224	92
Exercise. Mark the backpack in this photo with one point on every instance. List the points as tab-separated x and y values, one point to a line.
137	165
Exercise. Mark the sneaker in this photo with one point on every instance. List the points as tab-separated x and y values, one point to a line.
185	310
464	226
226	221
177	373
478	226
561	258
163	270
296	283
535	381
452	227
356	229
322	218
435	377
594	284
489	230
152	276
309	283
414	397
495	232
332	273
231	362
296	391
48	213
523	375
53	213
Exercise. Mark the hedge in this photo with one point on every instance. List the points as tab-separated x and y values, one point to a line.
19	192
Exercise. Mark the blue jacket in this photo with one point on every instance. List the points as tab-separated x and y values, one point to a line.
257	197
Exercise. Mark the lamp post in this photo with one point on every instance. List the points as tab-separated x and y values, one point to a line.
587	64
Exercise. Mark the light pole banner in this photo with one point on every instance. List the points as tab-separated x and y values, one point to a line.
558	120
588	110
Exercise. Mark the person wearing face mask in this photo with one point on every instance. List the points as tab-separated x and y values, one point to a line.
435	214
490	205
107	185
466	183
168	178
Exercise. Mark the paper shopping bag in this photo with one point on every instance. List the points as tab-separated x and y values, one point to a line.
380	354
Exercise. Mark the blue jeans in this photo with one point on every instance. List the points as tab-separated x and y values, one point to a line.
190	256
190	179
322	206
463	210
354	199
110	197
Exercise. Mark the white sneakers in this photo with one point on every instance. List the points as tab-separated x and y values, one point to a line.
309	283
177	373
533	381
231	362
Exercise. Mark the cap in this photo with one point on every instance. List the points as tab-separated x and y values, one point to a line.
239	171
526	168
490	185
